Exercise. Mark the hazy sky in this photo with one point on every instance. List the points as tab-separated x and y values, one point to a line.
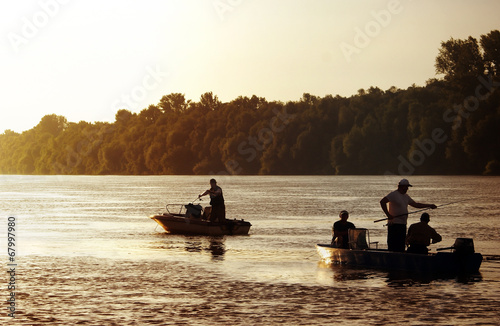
87	59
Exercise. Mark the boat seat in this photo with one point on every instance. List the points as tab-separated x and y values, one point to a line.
207	212
358	238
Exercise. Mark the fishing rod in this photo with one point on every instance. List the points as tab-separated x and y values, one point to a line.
421	210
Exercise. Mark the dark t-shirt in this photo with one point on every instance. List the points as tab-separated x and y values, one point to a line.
216	200
342	227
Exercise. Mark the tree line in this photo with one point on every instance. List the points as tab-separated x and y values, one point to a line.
449	126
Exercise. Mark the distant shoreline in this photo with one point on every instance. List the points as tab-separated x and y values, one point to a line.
448	127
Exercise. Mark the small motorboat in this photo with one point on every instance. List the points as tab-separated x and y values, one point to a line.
460	260
193	219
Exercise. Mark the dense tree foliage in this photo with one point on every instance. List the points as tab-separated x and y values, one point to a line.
449	126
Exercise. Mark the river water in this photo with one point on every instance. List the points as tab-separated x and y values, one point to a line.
87	253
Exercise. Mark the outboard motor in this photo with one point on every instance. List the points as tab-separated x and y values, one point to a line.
464	246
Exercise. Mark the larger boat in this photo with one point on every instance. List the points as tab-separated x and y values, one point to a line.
193	219
461	258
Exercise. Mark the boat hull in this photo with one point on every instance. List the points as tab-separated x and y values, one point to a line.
184	225
441	262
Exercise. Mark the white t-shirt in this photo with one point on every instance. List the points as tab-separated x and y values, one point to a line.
398	205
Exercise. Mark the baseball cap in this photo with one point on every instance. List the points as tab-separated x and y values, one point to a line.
405	182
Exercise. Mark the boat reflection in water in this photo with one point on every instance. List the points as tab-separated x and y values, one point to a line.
393	278
215	246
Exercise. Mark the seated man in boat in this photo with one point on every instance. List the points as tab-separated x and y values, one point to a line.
340	231
218	212
420	235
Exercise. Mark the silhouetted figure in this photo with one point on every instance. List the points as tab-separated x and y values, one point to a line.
218	212
397	213
420	235
340	231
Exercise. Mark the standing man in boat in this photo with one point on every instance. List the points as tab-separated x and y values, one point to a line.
340	231
420	235
397	214
216	201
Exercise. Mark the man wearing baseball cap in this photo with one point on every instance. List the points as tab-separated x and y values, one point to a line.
397	214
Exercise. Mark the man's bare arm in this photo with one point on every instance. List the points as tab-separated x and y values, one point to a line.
383	204
422	205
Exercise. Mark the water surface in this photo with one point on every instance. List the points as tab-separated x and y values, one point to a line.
88	253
